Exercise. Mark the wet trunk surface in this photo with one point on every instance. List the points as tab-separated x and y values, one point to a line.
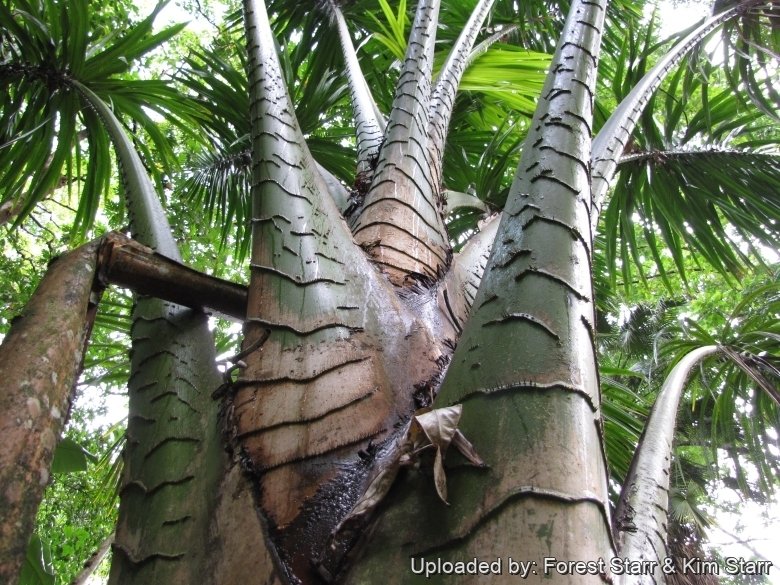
524	369
335	356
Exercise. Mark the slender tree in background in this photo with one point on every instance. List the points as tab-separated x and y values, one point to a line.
361	317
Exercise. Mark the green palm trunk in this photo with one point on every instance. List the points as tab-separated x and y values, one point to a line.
342	352
358	315
174	464
401	221
525	366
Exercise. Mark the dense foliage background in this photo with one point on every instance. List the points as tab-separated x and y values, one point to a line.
688	251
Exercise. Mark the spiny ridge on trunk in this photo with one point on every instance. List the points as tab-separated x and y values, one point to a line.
340	352
524	368
446	87
400	223
369	124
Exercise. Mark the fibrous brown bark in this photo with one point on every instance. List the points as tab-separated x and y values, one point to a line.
39	363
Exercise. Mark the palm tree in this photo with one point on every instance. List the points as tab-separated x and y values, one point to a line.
173	365
359	312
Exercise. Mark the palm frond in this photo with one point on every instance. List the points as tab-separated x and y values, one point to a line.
614	135
734	403
482	160
624	412
45	124
392	28
751	53
218	182
716	202
510	74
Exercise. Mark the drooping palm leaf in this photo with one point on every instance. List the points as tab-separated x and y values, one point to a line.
615	135
43	120
680	190
218	182
736	399
714	200
751	53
